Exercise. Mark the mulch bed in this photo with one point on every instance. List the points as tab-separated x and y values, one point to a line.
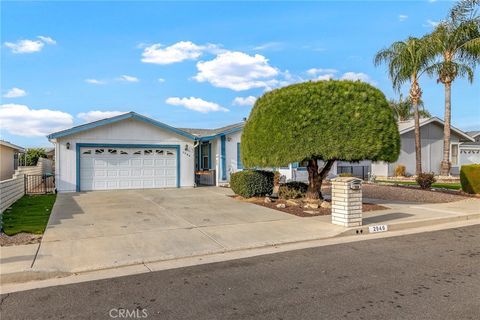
19	239
298	210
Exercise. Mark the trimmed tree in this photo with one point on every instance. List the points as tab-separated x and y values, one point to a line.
324	120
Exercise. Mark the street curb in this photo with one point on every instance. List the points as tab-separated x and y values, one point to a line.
409	225
28	275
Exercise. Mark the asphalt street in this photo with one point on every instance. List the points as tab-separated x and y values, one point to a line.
433	275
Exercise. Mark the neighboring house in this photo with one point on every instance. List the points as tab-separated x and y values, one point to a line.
431	132
470	151
9	154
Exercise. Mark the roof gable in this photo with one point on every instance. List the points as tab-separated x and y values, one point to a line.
129	115
407	126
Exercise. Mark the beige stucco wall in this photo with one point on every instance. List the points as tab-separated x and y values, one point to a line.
6	163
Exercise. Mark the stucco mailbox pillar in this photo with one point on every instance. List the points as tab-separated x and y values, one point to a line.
347	201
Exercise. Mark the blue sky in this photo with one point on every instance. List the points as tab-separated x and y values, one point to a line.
195	64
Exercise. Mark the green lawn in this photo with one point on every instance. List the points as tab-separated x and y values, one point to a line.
29	214
453	186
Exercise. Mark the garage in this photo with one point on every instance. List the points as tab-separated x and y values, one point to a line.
116	167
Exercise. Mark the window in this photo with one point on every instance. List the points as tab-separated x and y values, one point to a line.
159	152
169	153
99	151
239	158
87	152
138	152
147	152
205	156
454	152
112	151
123	152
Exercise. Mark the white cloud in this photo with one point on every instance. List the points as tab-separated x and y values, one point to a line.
15	93
20	120
354	76
326	76
161	80
431	23
402	17
47	40
95	81
316	71
127	78
269	46
195	104
91	116
177	52
29	46
244	101
237	71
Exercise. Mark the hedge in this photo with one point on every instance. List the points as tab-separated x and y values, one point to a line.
470	178
251	183
292	190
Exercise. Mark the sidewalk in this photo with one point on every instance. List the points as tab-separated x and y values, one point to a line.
203	241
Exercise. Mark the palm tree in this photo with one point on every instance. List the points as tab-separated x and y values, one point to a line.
457	42
403	109
407	61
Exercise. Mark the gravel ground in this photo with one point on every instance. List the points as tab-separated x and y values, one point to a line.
20	238
409	194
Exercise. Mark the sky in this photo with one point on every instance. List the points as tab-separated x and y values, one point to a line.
196	64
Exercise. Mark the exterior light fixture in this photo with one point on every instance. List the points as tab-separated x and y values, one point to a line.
68	145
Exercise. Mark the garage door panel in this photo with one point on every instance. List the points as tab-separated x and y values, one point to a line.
114	168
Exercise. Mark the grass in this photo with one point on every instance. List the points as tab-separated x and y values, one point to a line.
451	186
29	214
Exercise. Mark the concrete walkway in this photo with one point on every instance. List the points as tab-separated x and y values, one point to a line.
102	230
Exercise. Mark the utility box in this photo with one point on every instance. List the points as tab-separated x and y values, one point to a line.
347	201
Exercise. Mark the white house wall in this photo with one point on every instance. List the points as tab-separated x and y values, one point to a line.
129	131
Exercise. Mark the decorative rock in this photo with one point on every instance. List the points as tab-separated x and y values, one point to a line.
281	206
326	205
311	205
292	203
267	200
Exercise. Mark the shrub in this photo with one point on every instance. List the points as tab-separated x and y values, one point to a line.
292	190
345	174
425	180
470	178
400	170
251	183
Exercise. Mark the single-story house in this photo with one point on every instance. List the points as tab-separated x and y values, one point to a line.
9	154
131	151
470	151
431	132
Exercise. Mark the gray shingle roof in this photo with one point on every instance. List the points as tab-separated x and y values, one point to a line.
212	132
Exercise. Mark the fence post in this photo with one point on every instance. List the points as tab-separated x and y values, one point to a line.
25	181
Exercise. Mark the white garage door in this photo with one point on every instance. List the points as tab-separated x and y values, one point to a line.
127	168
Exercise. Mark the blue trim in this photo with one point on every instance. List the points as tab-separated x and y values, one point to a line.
239	159
115	145
209	156
121	117
223	158
295	165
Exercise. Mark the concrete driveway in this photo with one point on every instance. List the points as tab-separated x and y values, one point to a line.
104	229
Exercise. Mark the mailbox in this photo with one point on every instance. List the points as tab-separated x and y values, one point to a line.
356	184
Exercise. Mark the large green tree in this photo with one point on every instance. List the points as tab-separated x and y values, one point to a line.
320	121
407	61
457	42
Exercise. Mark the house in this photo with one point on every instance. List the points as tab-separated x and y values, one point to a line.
131	151
431	132
470	151
8	159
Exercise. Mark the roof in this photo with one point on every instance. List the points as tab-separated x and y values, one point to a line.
473	134
206	133
11	145
470	144
194	134
409	125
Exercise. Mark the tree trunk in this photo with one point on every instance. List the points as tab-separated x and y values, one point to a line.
315	179
445	165
415	95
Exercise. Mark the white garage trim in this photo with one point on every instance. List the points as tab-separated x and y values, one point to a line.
103	145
